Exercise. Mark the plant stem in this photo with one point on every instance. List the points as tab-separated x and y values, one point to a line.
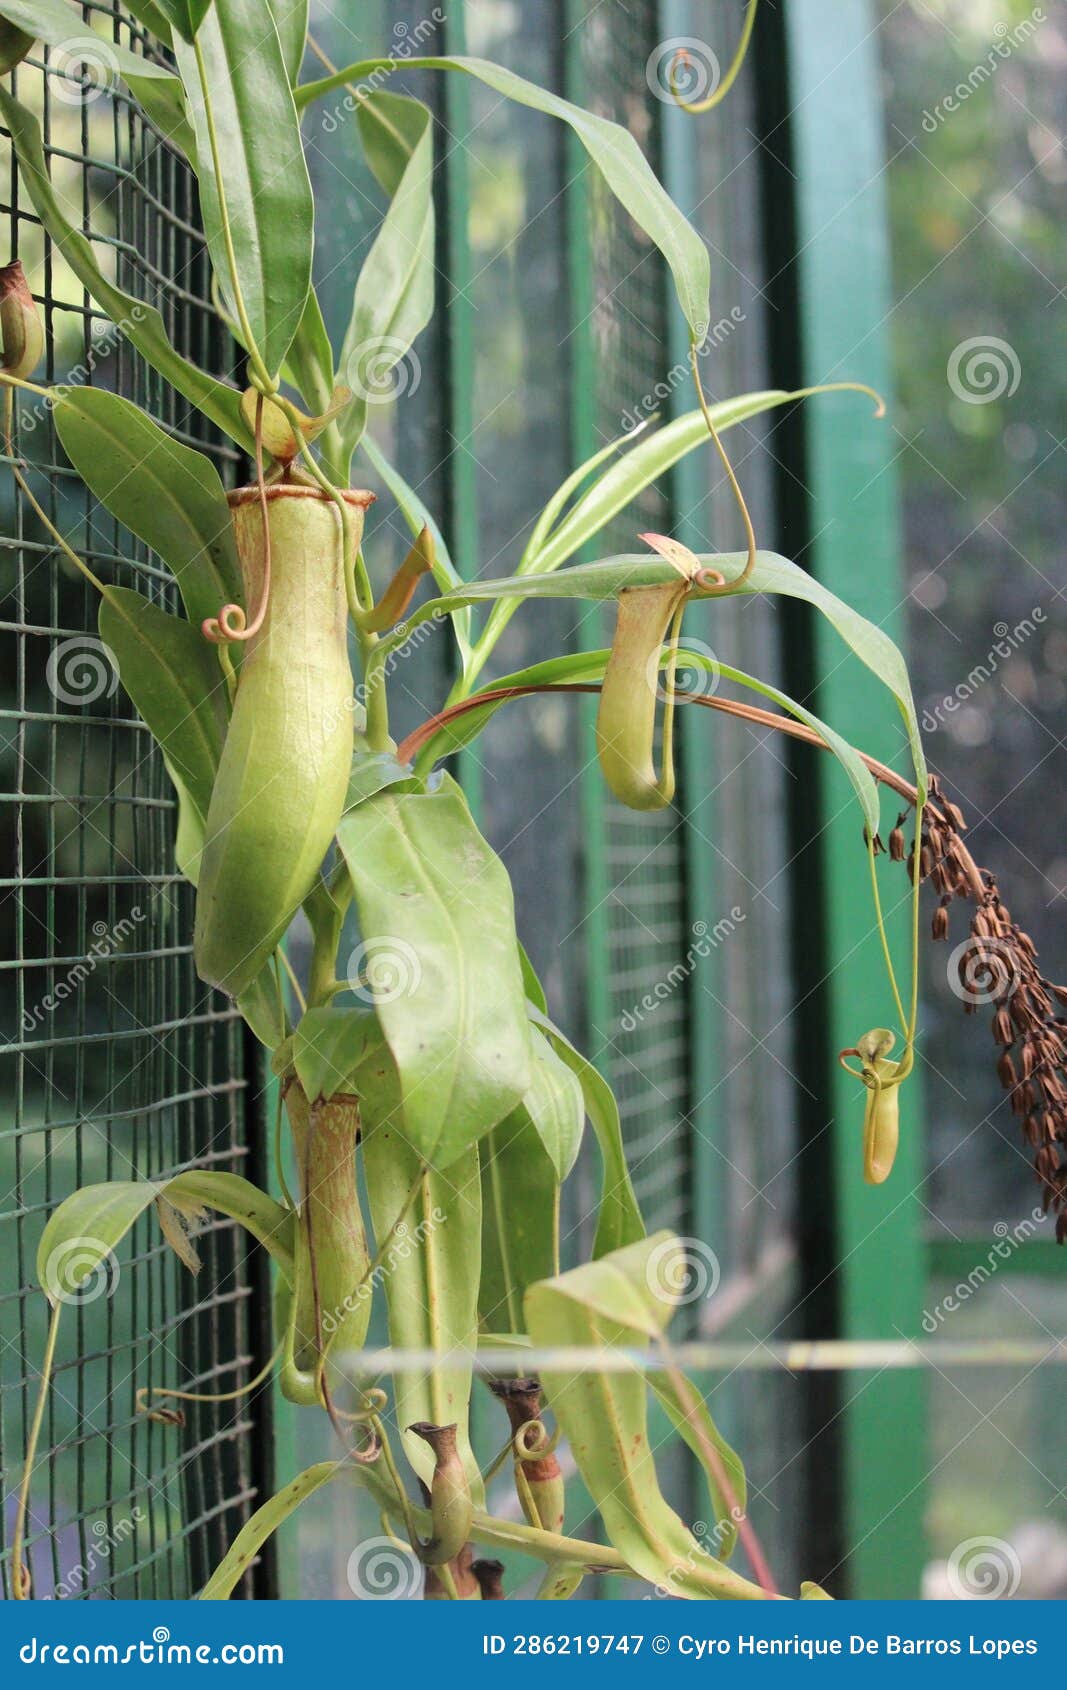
20	1575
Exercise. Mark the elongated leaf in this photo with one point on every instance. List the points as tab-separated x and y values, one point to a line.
163	100
309	361
263	1008
587	668
395	288
59	25
273	1513
80	1236
612	148
168	494
554	1106
431	1273
614	1303
330	1044
619	1220
438	926
291	22
150	13
683	1412
532	986
140	323
771	574
520	1219
266	188
185	16
623	482
172	676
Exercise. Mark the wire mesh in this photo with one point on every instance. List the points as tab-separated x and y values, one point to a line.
116	1062
646	1058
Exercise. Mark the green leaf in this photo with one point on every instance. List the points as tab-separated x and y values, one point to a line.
185	16
309	361
59	25
395	288
172	676
549	546
615	1303
168	494
140	323
371	772
150	13
262	1007
418	517
162	98
587	668
431	1273
266	187
438	926
613	149
329	1045
554	1106
532	986
88	1226
291	22
248	1543
520	1219
666	1390
619	1220
771	574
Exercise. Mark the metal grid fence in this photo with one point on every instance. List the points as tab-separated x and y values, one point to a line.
115	1063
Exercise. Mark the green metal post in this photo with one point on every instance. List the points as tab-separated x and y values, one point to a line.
842	280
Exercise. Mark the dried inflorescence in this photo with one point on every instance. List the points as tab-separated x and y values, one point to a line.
998	966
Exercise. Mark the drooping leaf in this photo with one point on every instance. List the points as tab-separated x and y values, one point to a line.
616	1303
395	287
172	676
430	1273
532	986
81	1235
551	544
151	14
168	494
59	25
265	187
619	1220
611	147
263	1008
771	574
439	954
140	323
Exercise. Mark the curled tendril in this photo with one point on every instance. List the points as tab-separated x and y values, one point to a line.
231	622
544	1442
720	91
